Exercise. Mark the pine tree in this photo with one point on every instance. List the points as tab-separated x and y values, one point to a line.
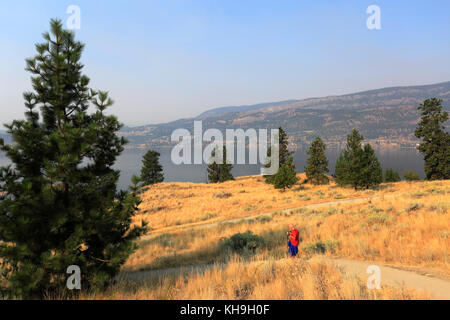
152	171
286	176
435	145
219	171
391	176
410	176
283	154
59	202
349	161
317	163
371	173
358	166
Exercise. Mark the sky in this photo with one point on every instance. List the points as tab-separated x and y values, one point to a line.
166	60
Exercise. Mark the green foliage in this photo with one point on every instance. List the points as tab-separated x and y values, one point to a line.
283	154
391	176
219	170
358	166
152	171
411	176
317	163
244	242
286	176
60	205
435	145
321	247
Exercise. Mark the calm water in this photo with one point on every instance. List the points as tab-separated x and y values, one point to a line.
129	163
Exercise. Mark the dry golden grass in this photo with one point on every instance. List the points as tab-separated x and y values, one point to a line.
404	224
167	206
282	279
409	229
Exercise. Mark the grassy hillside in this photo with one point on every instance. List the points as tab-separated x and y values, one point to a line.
406	225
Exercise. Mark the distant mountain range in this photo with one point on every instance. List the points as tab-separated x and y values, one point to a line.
386	117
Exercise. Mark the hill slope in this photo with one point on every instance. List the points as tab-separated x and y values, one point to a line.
385	116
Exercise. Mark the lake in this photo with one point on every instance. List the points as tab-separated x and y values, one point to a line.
129	163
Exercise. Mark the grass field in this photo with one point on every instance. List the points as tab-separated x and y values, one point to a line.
402	224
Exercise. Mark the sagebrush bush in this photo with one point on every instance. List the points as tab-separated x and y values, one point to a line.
321	247
243	242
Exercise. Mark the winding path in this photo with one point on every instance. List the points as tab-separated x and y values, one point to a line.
439	288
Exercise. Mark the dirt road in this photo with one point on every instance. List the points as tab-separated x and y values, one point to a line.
439	288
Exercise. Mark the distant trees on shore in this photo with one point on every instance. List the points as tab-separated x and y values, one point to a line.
317	163
151	171
358	166
286	175
391	176
219	169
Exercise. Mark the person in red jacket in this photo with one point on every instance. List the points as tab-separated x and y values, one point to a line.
293	240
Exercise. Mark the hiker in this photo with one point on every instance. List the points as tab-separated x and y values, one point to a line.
293	241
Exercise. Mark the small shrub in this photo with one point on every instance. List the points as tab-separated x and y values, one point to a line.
222	195
243	242
381	218
418	194
413	207
165	240
435	190
439	208
300	188
321	247
208	215
304	197
264	219
249	207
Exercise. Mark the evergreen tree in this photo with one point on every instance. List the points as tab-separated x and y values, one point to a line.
435	145
317	163
59	202
283	154
410	176
269	178
349	161
152	171
391	176
358	166
286	176
371	173
219	171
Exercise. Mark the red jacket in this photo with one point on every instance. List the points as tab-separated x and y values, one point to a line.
294	237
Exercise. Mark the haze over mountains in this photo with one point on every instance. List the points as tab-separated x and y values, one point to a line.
386	117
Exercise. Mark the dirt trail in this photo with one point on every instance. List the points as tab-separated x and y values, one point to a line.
439	288
308	206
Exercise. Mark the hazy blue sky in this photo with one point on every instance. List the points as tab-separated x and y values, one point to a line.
163	60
